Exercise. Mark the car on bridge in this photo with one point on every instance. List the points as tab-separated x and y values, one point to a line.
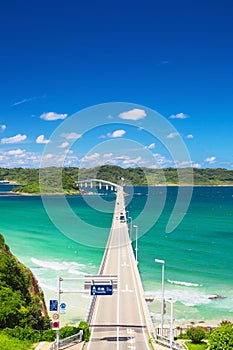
122	217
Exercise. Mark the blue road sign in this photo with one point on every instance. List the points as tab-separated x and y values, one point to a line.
53	305
63	306
100	289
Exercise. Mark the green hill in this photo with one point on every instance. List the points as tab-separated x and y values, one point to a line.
63	180
21	299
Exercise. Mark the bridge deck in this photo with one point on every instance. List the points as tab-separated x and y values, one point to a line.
120	321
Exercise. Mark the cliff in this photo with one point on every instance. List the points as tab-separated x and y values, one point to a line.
21	298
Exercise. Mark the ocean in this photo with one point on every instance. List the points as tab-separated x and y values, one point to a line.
198	253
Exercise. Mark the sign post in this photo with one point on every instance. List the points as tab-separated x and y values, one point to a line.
57	325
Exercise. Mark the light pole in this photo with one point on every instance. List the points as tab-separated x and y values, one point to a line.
130	227
136	240
171	322
162	262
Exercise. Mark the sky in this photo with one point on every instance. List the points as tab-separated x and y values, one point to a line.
161	72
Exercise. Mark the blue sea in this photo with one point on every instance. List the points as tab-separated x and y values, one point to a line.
198	253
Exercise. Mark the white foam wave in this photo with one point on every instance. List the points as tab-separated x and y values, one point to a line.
187	298
186	284
76	272
59	266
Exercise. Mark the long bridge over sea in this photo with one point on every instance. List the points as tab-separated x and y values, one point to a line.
120	321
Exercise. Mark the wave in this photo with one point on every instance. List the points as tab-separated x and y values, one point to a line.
71	267
187	298
186	284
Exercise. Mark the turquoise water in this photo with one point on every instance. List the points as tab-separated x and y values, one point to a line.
198	253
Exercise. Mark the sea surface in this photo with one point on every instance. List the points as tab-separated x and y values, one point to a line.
198	254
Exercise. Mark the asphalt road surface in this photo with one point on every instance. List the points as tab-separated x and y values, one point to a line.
119	321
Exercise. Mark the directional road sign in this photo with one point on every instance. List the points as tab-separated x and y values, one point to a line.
101	289
53	305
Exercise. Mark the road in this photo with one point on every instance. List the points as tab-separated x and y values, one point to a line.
118	321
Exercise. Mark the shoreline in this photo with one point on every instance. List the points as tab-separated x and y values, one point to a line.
12	193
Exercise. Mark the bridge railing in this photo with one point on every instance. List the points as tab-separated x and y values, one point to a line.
159	339
64	343
93	300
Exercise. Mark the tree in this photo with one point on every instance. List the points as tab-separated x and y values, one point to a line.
196	334
222	338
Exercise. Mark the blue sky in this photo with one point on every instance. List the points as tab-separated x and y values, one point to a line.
173	57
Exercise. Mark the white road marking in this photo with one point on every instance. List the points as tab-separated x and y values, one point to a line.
127	289
130	331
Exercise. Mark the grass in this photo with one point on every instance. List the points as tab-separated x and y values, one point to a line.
8	343
192	346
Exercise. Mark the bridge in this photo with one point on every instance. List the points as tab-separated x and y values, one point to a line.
120	321
93	183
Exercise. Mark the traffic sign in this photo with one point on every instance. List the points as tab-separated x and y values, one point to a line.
53	305
55	316
62	305
101	289
55	325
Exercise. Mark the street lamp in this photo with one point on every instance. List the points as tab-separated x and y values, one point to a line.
136	247
171	322
130	226
162	262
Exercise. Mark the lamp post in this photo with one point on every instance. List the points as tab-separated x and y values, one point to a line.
162	262
130	226
136	240
171	322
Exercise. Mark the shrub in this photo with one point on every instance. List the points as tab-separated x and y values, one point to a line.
222	338
7	343
85	328
196	334
48	335
67	331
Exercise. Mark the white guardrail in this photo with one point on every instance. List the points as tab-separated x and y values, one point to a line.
63	343
166	342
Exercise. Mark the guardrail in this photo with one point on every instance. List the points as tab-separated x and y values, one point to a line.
172	345
64	343
93	300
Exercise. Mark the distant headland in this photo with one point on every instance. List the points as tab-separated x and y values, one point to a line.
54	180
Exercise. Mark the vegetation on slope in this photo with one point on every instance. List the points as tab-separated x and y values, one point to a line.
21	300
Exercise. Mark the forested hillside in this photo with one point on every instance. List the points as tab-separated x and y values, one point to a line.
29	178
21	300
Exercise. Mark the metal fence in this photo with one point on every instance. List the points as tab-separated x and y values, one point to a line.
64	343
172	345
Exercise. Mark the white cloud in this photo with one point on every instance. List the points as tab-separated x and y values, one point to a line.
133	114
28	100
92	156
64	145
172	135
160	161
2	127
179	116
117	133
151	146
189	136
133	161
186	163
15	152
14	139
107	155
53	116
71	136
210	160
41	139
